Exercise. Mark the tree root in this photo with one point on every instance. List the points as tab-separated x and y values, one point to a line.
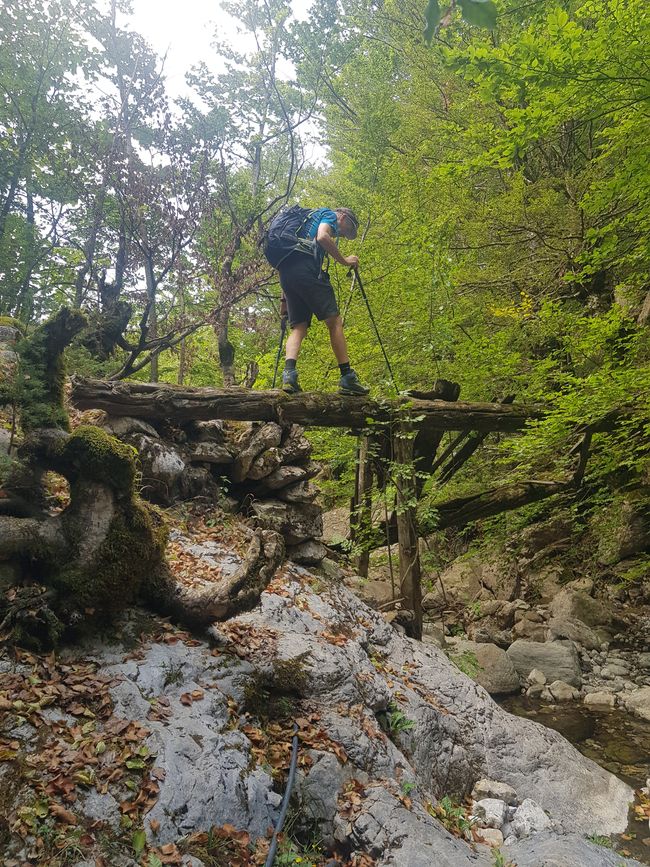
233	594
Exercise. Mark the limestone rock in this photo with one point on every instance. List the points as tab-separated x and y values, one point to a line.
283	476
300	492
264	464
296	447
493	789
296	522
122	426
265	437
537	677
162	467
529	627
211	452
206	431
491	812
547	850
336	525
623	529
491	837
638	702
496	672
529	819
576	605
558	660
561	691
576	630
613	670
309	553
600	699
331	569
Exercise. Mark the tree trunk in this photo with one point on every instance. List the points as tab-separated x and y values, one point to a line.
161	401
226	349
152	322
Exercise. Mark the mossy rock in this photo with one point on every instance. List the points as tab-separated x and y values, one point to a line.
10	322
93	455
125	567
40	381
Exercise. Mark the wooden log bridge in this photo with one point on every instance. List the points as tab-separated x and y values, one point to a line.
310	409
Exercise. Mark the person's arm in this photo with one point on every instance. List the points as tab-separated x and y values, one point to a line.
325	238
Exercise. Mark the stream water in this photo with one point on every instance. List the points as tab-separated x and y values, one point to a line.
614	739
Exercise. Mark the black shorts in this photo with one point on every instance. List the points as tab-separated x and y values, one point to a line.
308	290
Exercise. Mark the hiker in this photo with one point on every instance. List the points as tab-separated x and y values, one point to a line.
299	241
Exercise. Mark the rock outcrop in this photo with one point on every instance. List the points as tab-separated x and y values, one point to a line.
376	711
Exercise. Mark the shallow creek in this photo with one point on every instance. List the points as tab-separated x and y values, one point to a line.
614	739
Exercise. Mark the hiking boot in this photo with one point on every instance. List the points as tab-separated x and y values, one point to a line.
290	382
349	384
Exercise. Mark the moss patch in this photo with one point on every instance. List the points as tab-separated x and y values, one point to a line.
130	557
93	455
41	374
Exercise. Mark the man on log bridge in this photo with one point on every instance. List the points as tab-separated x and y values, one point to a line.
298	243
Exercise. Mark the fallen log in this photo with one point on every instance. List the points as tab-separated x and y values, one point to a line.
161	401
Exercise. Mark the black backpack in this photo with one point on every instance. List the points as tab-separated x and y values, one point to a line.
282	235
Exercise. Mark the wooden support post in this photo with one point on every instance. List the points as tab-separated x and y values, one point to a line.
407	536
364	504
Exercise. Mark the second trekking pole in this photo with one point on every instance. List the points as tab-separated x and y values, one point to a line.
283	328
374	325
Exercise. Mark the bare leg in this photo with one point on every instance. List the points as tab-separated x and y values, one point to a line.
295	339
337	338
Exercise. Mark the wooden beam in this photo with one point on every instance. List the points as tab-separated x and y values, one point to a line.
407	534
176	404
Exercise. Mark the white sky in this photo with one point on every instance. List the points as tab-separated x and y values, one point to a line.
185	30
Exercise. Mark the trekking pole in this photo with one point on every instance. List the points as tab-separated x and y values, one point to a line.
374	323
283	329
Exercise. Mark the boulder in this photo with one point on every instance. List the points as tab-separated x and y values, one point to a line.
491	837
547	850
536	677
613	670
490	812
530	626
265	437
206	431
561	691
336	525
600	699
122	426
295	448
462	583
529	819
575	630
571	604
162	468
309	553
283	476
297	522
493	789
300	492
211	452
496	672
558	660
264	464
623	528
638	702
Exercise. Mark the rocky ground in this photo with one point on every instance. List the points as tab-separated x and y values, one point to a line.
161	747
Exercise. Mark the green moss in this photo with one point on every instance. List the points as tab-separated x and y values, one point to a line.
9	322
130	557
41	373
93	455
